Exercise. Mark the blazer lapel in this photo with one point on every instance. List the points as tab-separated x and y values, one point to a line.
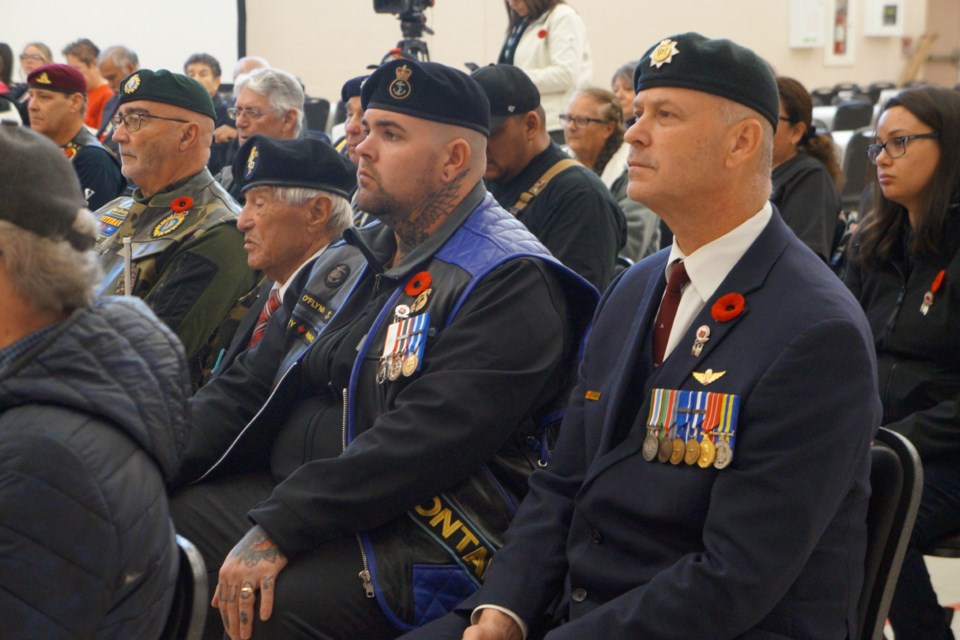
635	356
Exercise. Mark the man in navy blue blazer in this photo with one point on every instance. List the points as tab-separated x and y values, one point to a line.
712	473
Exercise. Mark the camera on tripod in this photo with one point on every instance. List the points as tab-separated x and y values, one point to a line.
413	24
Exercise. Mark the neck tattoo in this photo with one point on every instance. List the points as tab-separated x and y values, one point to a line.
426	216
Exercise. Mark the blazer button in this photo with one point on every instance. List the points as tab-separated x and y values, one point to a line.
578	595
596	536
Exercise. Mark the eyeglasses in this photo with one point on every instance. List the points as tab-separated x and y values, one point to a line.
133	121
36	57
578	121
896	147
252	114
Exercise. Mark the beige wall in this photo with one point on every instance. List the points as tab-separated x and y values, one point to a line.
327	41
943	19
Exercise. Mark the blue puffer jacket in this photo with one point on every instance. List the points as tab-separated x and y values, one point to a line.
92	422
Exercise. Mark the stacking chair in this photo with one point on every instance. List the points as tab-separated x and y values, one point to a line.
896	480
852	114
855	165
822	96
876	88
189	611
316	111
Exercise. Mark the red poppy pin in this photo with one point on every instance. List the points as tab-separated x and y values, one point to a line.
419	283
542	34
181	204
727	307
929	295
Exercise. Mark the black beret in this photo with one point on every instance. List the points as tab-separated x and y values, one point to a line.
509	89
720	67
303	162
57	77
428	90
351	88
39	189
169	88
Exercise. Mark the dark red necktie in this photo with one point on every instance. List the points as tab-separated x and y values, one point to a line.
668	310
273	303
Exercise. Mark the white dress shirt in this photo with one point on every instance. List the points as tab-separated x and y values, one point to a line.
707	268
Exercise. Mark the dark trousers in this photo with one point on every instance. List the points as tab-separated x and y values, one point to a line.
915	613
318	595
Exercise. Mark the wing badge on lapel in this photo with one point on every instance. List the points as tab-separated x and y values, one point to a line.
707	377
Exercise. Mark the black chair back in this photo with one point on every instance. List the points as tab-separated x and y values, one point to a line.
317	110
189	610
852	114
896	480
855	168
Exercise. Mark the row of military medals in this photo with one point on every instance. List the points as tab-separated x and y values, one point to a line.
404	344
693	427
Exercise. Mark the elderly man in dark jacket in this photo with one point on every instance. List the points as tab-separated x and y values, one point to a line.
92	407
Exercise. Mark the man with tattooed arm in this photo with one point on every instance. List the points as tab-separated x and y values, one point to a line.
381	434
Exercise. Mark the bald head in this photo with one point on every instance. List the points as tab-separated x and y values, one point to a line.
248	64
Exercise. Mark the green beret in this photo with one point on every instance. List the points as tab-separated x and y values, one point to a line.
169	88
720	67
430	91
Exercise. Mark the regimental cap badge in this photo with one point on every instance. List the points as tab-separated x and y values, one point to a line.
664	53
132	83
400	88
252	161
43	79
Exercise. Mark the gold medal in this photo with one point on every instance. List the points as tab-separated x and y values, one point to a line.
421	300
410	364
664	450
708	453
677	451
692	453
650	447
724	455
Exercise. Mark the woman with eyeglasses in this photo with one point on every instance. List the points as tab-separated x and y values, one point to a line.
905	271
34	56
806	172
593	128
548	40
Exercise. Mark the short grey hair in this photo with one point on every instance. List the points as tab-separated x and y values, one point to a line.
49	274
341	213
282	89
732	112
120	56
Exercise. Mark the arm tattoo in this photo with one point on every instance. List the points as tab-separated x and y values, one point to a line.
260	549
434	208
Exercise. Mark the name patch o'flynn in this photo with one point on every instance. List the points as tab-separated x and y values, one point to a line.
450	528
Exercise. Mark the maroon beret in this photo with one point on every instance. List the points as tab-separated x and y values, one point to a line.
57	77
